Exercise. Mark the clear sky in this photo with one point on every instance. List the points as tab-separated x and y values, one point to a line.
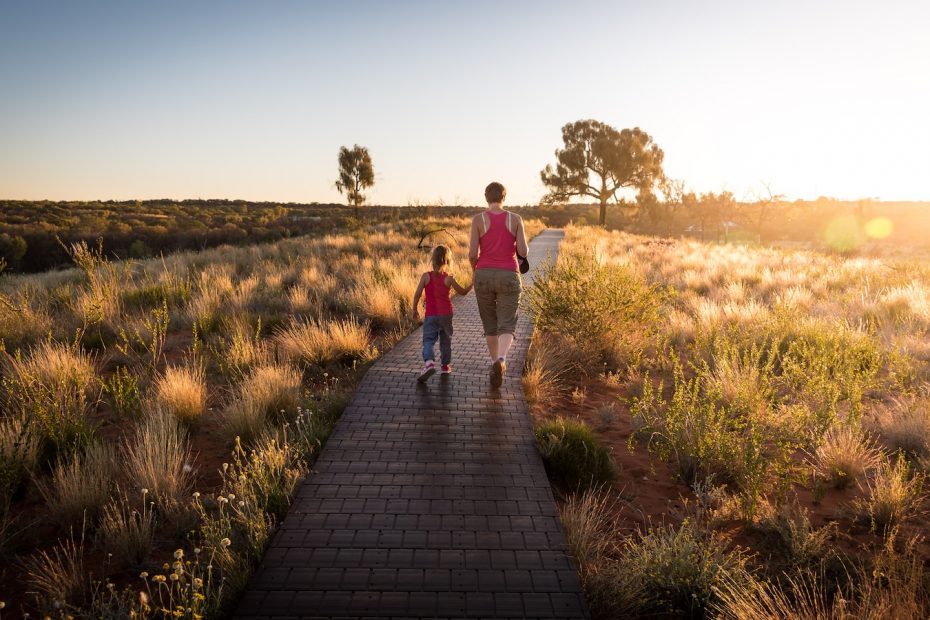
252	99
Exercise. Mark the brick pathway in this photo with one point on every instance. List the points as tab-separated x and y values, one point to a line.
428	501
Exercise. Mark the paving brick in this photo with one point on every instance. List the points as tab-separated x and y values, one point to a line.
428	501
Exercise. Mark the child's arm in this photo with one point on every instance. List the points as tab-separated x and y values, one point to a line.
458	288
415	310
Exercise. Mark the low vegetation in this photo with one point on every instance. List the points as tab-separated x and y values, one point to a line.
784	393
168	408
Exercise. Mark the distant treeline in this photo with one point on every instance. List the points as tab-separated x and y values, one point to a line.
35	235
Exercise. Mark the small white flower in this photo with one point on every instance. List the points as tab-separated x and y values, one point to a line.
225	542
187	468
196	494
145	491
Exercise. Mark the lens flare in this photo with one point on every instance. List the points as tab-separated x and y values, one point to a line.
879	228
844	234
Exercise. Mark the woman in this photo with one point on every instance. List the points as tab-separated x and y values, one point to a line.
496	238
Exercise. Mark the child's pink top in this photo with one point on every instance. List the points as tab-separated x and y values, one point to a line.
437	295
498	246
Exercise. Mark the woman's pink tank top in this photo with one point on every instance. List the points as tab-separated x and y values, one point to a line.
437	295
498	246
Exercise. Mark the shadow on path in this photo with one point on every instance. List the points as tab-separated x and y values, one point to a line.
428	501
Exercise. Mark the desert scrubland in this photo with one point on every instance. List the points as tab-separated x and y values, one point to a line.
737	431
158	414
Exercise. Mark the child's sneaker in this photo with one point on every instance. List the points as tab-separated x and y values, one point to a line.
429	369
445	369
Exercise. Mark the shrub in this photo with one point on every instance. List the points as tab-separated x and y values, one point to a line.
607	306
680	569
80	486
892	495
892	586
710	441
122	392
845	456
572	455
51	390
158	460
182	392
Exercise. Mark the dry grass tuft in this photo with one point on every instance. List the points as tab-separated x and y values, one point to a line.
182	392
588	518
845	456
57	574
158	460
52	387
268	393
321	342
19	455
893	494
127	532
906	426
549	365
80	486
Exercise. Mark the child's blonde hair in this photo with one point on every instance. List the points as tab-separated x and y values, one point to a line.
442	257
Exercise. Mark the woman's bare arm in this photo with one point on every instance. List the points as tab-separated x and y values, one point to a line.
522	247
473	241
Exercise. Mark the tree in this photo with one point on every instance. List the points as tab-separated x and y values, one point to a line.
761	209
598	161
356	173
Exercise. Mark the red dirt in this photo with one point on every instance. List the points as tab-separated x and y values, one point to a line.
652	494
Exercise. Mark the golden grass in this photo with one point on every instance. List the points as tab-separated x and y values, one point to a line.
79	486
845	457
181	391
57	574
319	341
892	495
268	394
158	460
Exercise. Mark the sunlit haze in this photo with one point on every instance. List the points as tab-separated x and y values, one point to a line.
252	100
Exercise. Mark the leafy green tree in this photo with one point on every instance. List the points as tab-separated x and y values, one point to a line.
12	249
598	161
356	173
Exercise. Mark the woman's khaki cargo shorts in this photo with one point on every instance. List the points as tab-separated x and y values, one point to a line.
498	294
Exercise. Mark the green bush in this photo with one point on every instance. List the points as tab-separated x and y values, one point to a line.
573	457
611	309
678	570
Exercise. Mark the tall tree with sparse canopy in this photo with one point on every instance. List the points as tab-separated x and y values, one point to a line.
356	173
598	161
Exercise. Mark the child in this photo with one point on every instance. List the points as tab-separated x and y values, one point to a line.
438	321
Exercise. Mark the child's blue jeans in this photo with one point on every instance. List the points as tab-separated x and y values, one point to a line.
437	327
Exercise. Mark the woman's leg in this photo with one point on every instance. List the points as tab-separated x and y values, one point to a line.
486	296
508	301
